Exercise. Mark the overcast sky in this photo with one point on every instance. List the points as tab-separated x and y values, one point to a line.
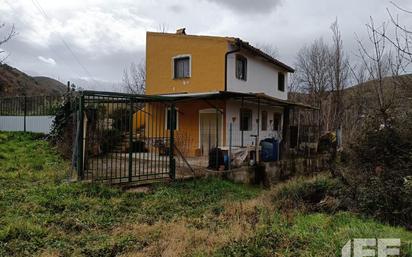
106	36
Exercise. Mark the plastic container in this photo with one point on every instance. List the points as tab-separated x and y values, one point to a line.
269	149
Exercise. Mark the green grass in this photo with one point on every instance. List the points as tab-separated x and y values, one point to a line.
43	213
309	235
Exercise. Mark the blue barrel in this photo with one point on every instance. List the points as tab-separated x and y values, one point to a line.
269	149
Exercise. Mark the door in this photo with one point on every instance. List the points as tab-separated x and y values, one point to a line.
210	130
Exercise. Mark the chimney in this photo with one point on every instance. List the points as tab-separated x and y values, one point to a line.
181	31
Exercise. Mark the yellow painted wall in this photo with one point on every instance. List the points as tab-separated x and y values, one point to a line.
187	135
207	57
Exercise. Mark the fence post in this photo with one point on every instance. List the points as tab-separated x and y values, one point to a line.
240	123
172	164
217	139
24	114
130	139
80	170
230	145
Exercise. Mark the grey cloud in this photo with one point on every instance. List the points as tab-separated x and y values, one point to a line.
248	6
107	36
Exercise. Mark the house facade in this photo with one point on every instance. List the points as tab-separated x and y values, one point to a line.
238	93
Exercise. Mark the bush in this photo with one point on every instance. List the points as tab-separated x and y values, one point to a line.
379	172
316	194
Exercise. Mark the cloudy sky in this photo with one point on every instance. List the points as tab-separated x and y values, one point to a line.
96	39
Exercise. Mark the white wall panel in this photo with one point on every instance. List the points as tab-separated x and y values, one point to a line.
40	124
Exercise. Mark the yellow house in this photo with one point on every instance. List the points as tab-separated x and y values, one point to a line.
226	91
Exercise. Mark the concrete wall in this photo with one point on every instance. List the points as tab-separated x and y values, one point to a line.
41	124
233	110
269	173
262	77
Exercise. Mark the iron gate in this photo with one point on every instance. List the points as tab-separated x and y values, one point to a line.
124	138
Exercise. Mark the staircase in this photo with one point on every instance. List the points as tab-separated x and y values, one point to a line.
123	145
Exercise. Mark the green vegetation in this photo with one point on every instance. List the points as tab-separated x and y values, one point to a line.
44	214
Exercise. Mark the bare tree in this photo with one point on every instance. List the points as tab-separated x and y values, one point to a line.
339	75
134	78
4	38
383	64
312	74
402	36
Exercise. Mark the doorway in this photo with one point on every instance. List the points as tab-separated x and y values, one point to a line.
210	127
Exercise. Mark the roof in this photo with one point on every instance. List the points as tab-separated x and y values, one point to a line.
180	97
239	43
247	97
267	57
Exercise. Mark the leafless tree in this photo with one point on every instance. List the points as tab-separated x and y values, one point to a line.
134	78
312	74
402	36
4	38
382	64
339	75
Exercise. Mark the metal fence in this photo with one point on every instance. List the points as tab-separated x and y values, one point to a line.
28	113
127	138
121	138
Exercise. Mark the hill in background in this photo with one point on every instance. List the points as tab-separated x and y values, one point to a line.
14	82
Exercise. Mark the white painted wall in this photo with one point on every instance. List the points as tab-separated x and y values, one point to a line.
262	77
41	124
233	110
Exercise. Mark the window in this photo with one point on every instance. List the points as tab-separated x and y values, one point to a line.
241	67
181	67
176	120
264	120
281	82
245	120
276	121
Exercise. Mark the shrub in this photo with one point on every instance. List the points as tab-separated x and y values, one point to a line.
316	194
379	172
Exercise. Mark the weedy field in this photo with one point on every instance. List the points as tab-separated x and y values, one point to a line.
44	215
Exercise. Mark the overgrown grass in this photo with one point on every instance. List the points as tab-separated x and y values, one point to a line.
309	235
41	211
43	214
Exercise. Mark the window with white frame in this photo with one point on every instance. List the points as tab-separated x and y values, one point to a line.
241	67
169	123
181	67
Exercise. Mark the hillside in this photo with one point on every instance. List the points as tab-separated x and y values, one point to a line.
14	82
361	100
366	90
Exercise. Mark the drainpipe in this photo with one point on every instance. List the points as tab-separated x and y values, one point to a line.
226	55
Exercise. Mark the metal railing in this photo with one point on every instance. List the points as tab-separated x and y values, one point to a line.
16	110
124	138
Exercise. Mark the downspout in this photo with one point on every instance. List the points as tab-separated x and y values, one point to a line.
226	55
